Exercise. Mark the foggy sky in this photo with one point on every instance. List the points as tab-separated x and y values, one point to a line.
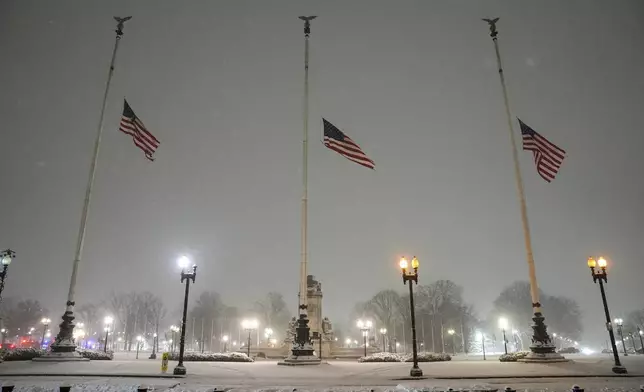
220	84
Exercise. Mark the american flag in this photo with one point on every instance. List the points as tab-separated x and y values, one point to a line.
547	156
337	141
132	125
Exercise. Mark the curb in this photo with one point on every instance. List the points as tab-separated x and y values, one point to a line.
536	377
118	375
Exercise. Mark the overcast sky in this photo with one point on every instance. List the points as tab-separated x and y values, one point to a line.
415	83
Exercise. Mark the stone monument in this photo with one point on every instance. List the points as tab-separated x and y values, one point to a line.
319	325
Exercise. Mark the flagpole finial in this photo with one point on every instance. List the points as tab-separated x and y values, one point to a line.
492	23
119	26
307	24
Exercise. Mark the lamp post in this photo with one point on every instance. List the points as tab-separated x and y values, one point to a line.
383	334
6	256
154	345
639	332
138	344
451	332
45	321
249	326
364	326
225	340
601	276
412	276
268	332
481	336
620	330
503	324
108	321
174	330
180	369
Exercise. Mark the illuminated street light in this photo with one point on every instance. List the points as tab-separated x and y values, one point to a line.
503	324
364	326
108	321
601	276
138	345
481	336
620	330
187	276
249	325
6	257
383	334
412	276
225	340
452	333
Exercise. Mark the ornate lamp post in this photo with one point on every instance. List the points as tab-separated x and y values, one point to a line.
174	330
268	332
364	326
187	277
154	346
601	276
412	276
45	321
383	334
503	324
6	256
225	340
451	332
639	332
108	321
249	326
139	339
620	330
481	336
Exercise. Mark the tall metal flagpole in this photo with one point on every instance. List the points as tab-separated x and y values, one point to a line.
64	345
542	348
302	352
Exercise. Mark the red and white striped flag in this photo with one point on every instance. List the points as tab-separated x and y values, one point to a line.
547	157
132	125
337	141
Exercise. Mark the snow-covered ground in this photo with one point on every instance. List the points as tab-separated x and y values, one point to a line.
591	373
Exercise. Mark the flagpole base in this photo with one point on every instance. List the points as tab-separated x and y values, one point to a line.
302	351
542	349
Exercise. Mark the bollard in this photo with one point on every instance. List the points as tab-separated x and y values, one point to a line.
65	387
142	388
577	388
641	388
508	389
7	387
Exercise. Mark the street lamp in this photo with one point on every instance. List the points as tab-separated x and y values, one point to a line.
412	276
620	330
383	333
108	321
174	330
503	324
451	332
138	344
364	326
6	256
154	345
348	342
225	340
187	277
45	321
601	276
639	332
249	326
268	332
481	336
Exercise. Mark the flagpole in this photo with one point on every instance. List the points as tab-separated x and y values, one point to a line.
64	343
542	348
302	351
